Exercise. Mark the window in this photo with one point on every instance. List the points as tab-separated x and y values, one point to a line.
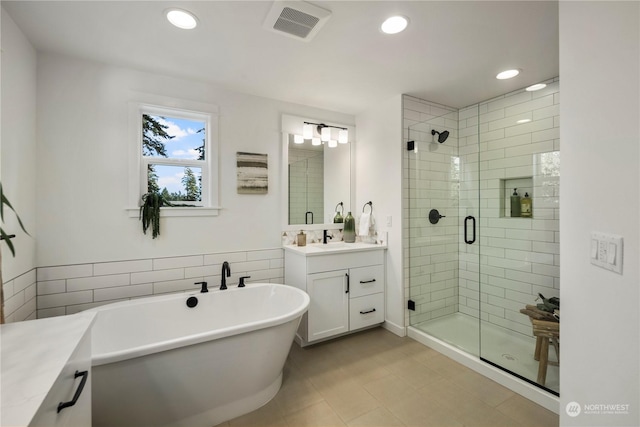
177	153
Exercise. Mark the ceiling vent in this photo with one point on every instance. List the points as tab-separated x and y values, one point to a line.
296	19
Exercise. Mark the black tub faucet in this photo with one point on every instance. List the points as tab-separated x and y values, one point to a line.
227	270
204	287
325	236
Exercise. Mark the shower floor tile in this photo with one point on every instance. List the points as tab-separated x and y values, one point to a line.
507	349
363	380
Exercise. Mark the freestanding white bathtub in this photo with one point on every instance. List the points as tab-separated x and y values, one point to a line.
158	362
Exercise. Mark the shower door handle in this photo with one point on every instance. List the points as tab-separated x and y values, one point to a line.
466	230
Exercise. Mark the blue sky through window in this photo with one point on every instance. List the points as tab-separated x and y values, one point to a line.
187	138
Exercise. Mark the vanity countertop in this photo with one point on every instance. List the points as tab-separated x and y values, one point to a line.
34	352
332	248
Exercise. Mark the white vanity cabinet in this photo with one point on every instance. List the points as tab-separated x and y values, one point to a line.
45	363
346	288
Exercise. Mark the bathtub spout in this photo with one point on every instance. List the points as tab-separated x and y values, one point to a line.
227	270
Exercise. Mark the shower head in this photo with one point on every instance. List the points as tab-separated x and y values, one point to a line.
442	136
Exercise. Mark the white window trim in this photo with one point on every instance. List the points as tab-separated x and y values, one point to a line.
171	107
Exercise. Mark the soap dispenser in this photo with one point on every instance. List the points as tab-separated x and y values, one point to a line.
515	204
338	217
302	239
526	206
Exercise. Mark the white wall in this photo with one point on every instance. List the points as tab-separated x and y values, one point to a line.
82	164
600	186
19	177
379	179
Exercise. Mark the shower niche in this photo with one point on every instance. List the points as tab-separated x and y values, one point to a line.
524	185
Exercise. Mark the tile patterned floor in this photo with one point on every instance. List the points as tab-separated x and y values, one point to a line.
377	379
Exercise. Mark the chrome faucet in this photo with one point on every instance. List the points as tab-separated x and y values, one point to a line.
325	236
225	268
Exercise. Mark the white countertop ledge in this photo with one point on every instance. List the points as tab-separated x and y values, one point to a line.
315	249
34	352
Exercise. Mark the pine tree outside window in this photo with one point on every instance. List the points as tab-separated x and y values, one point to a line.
175	156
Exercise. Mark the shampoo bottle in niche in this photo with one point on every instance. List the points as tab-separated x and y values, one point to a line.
526	206
349	235
515	203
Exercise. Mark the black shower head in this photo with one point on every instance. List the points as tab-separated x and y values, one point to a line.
442	136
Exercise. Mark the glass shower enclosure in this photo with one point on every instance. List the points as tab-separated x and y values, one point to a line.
473	262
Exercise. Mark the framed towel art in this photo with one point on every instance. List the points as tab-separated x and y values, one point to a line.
253	173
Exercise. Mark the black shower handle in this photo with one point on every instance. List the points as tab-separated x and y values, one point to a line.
466	238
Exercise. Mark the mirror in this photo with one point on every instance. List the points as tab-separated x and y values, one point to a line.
319	179
315	178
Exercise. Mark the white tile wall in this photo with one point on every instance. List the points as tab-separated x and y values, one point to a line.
20	297
516	258
519	256
431	181
69	289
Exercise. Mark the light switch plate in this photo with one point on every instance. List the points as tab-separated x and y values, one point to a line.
607	251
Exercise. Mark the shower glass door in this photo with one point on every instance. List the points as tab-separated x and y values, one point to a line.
471	272
519	248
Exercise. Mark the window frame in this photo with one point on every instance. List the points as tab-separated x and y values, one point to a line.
208	206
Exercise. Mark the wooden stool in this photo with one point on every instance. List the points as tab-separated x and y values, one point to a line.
545	330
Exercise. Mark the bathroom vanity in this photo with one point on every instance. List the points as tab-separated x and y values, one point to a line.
346	284
46	365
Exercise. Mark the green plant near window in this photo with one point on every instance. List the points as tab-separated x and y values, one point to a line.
7	239
150	211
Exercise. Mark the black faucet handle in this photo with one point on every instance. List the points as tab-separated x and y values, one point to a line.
204	286
241	284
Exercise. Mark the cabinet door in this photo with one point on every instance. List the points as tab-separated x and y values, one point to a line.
329	308
66	386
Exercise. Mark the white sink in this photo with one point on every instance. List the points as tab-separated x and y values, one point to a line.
319	248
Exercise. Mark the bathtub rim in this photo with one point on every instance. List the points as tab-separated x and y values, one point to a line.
193	339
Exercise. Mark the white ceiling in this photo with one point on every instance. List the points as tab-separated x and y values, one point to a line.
449	54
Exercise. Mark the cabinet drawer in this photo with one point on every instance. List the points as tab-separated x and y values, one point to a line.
366	311
366	280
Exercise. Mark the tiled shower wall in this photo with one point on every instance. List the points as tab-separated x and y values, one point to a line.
430	181
306	185
519	257
72	288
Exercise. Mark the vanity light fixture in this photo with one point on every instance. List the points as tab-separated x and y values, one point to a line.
181	18
394	24
507	74
307	131
298	139
325	134
536	87
343	136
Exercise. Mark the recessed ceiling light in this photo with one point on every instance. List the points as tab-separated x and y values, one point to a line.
508	74
182	19
394	24
536	87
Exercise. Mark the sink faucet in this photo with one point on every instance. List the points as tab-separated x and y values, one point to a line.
225	268
325	236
